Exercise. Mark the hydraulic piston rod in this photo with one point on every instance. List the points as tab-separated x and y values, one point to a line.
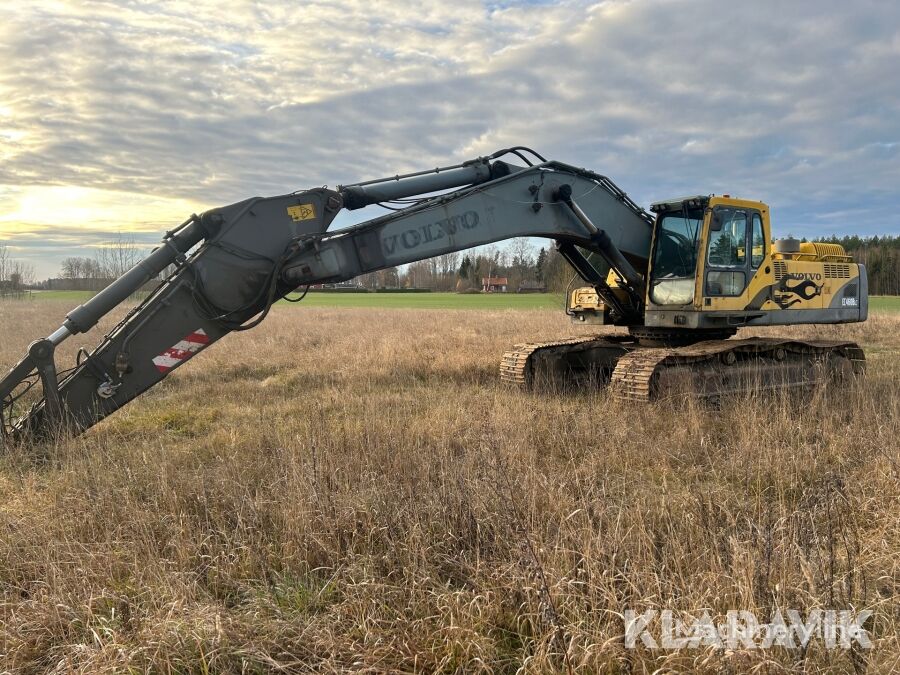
373	192
607	249
175	245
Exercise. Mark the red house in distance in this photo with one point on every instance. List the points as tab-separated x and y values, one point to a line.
494	284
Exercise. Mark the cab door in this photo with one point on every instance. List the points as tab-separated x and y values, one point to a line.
735	250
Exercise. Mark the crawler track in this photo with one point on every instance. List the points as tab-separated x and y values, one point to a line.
706	369
519	366
717	367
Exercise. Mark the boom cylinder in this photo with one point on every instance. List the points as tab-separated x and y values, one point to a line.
607	249
358	196
84	317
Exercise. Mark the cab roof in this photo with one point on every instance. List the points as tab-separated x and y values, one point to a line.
701	201
693	201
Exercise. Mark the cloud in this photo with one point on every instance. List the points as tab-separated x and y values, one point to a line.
193	104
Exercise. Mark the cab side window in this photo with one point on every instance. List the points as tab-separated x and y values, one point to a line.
757	243
726	256
728	246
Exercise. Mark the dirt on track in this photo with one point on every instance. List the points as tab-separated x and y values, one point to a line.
352	490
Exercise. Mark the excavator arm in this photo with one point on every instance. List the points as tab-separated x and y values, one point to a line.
232	263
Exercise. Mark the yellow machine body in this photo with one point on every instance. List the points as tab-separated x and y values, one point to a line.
714	265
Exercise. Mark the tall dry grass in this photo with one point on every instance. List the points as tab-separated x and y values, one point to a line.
351	490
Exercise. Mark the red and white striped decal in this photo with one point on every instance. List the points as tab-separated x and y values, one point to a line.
181	351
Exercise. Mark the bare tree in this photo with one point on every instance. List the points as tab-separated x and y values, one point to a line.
4	262
388	278
522	252
521	267
449	262
15	275
369	280
76	268
117	257
21	274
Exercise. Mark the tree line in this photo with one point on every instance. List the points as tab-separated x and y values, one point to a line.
880	255
109	262
518	263
522	262
15	275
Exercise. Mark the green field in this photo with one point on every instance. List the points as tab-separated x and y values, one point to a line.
885	303
74	296
486	301
388	300
436	300
880	303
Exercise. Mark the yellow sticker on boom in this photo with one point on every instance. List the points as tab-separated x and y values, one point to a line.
302	212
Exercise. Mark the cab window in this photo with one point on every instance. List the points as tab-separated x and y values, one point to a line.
757	243
721	282
726	254
728	245
675	257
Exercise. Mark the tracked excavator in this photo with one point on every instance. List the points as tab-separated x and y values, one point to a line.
680	281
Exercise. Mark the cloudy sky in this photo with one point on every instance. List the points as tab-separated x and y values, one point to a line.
128	116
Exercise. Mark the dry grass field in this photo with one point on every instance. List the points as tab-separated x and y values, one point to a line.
351	490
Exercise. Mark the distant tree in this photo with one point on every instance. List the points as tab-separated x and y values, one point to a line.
522	253
78	268
117	256
438	273
540	264
15	275
557	273
388	278
464	268
421	274
21	274
4	262
69	268
369	280
479	268
521	266
448	263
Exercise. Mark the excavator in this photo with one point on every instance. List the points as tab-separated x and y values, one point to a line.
680	280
